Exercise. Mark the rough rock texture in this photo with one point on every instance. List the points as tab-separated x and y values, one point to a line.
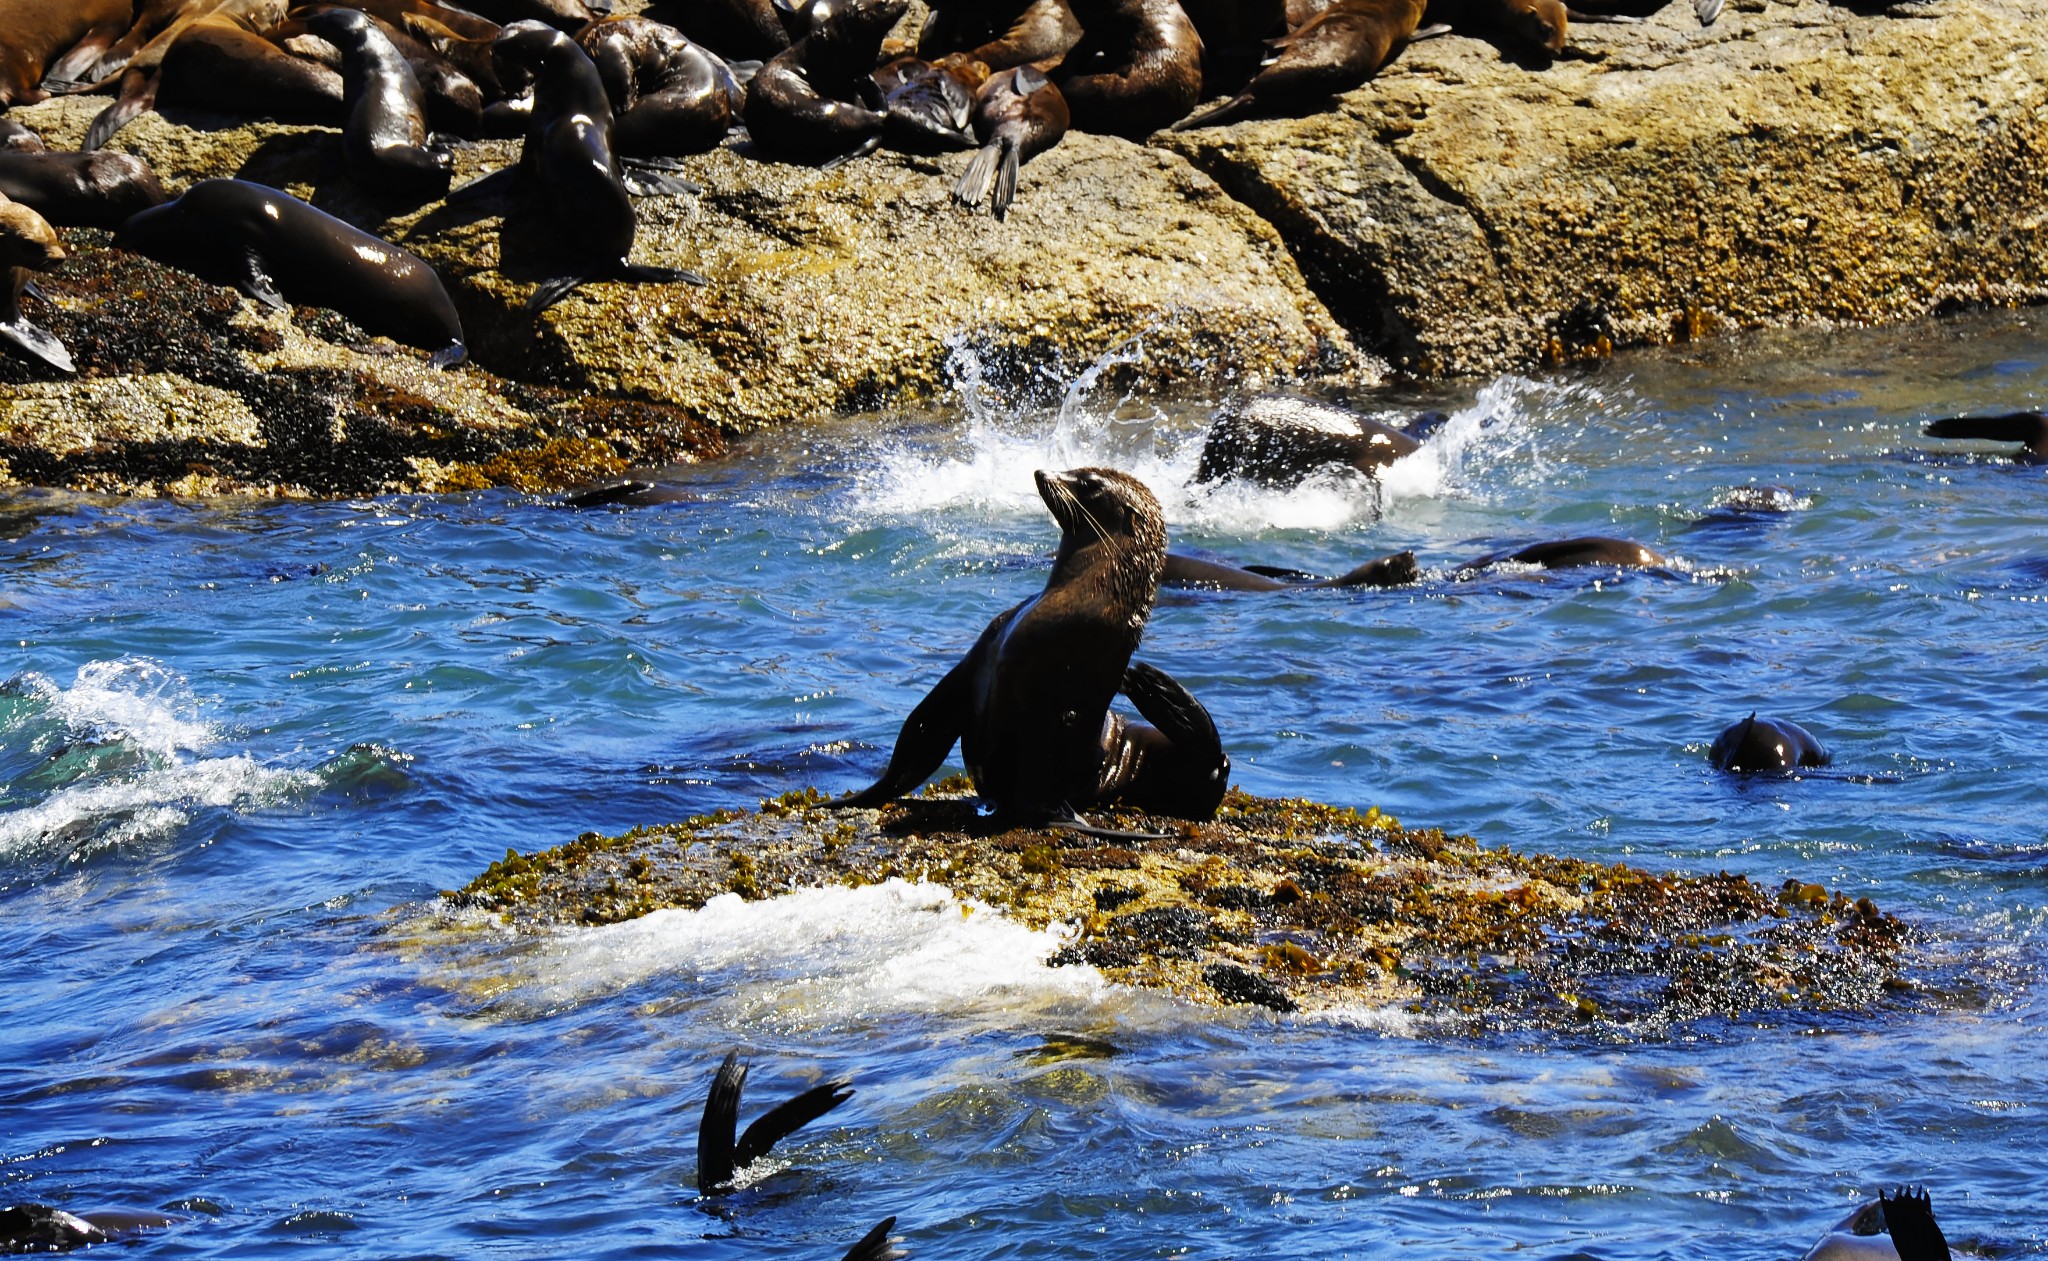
1288	905
1796	162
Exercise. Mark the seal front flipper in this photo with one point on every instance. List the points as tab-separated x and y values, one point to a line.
877	1245
860	150
256	283
553	290
721	1119
788	1117
645	180
928	735
38	343
1909	1220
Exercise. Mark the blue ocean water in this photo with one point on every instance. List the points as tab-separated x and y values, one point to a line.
244	745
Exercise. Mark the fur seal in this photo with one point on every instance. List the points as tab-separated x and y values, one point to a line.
1573	553
801	105
930	104
563	15
454	100
878	1244
1019	115
669	97
2028	428
750	29
1281	440
1909	1220
277	249
27	243
719	1156
569	153
1857	1237
1396	570
999	36
1333	52
384	142
1137	68
60	40
1029	704
1766	744
45	1228
81	190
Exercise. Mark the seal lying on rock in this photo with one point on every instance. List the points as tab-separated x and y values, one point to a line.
1282	440
1333	52
384	141
1001	35
277	249
803	105
2027	428
670	97
1137	68
27	243
1029	704
80	190
61	39
1019	115
1766	744
719	1156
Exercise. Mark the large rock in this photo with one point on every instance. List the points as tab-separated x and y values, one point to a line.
1796	162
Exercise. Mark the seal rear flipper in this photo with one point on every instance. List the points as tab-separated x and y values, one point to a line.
1909	1220
1006	180
928	735
1229	112
877	1245
36	342
788	1117
1075	823
715	1165
1397	570
980	174
1198	773
135	99
643	179
860	150
645	274
1707	10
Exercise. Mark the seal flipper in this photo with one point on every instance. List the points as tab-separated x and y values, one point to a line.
715	1165
860	150
1200	769
876	1245
38	343
788	1117
256	283
500	180
1909	1220
1397	570
643	274
1706	10
553	290
644	179
928	735
2030	428
133	102
448	356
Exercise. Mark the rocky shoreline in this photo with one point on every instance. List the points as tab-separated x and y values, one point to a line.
1461	214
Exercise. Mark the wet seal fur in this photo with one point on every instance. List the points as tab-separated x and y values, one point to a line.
1019	114
1573	553
80	190
27	244
1137	68
384	141
1029	704
1333	52
1766	744
277	249
1281	441
669	97
807	104
1037	32
2030	429
1396	570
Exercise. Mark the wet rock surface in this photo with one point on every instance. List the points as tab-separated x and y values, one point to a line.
1286	905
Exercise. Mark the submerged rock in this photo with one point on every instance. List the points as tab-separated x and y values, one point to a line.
1287	905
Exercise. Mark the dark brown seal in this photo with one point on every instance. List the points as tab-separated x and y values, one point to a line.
80	190
669	97
1909	1220
1766	744
2030	429
803	105
1029	704
930	104
1574	553
563	15
454	100
1333	52
1540	25
60	39
1019	114
277	249
1137	68
1282	440
384	141
27	244
15	138
1001	35
1396	570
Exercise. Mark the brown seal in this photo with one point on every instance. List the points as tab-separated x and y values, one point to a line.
277	249
1333	52
1019	115
1574	553
564	15
1395	570
802	104
58	39
669	97
1029	704
384	141
1282	440
930	104
15	138
80	190
1137	68
2027	428
27	244
1540	25
1766	744
1001	35
454	99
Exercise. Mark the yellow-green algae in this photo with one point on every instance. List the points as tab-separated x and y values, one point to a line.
1288	904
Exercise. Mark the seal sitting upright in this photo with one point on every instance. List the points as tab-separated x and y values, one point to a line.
1029	704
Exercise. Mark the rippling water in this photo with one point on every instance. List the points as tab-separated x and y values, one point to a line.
242	746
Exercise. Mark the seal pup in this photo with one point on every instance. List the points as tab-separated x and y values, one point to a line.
1396	570
80	190
1909	1220
1573	553
1029	704
1019	114
802	104
1332	53
1137	68
930	104
878	1244
27	243
277	249
569	154
719	1156
1766	744
669	97
384	142
2030	429
1281	440
999	36
56	40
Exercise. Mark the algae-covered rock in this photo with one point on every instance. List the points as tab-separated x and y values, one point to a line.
1796	162
1282	904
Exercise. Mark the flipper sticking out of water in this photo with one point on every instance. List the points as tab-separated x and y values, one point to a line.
1909	1220
42	1228
719	1157
877	1245
2030	428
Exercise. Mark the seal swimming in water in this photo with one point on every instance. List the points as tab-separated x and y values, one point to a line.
1766	744
80	190
1029	704
1333	52
1573	553
1281	440
1137	68
804	104
27	243
1909	1220
384	142
1396	570
1019	115
277	249
669	97
719	1156
2030	429
877	1245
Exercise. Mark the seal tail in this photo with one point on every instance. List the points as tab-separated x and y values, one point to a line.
2028	427
789	1116
715	1164
877	1245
